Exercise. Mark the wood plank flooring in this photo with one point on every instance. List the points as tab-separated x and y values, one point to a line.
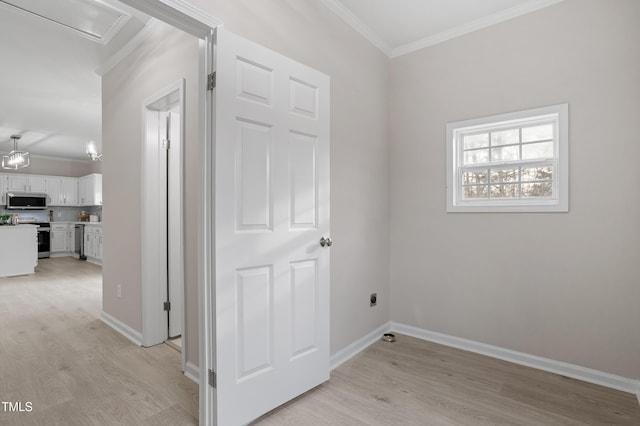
57	354
75	370
413	382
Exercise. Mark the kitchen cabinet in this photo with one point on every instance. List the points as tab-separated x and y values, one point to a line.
19	248
19	183
3	190
62	191
26	183
69	191
93	242
71	239
90	190
59	238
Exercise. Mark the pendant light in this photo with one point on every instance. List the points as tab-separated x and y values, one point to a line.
15	159
92	152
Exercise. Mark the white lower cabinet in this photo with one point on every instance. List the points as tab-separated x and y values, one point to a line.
59	238
71	239
93	242
63	241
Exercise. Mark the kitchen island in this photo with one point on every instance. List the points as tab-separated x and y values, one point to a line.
18	250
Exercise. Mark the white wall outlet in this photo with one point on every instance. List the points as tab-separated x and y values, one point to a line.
119	290
59	214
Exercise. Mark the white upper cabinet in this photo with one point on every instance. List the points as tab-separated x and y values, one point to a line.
37	183
62	191
26	183
18	183
69	191
90	190
3	190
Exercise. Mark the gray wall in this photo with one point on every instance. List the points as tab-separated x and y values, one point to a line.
308	32
58	167
359	157
166	56
557	285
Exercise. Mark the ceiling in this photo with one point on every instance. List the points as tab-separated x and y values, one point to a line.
401	26
50	91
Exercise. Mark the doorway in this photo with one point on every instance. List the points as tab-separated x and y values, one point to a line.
163	216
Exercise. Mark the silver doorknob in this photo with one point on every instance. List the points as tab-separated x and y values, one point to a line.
325	242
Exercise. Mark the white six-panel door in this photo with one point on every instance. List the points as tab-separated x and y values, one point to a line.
271	211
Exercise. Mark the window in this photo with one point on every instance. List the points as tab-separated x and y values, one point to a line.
515	162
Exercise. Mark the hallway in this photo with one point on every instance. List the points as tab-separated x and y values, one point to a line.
56	353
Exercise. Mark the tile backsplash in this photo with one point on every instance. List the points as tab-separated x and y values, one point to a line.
60	214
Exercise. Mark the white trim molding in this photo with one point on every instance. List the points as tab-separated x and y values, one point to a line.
125	50
363	29
358	346
367	32
472	26
122	328
192	371
557	367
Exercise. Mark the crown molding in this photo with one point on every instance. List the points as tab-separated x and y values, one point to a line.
131	45
363	29
472	26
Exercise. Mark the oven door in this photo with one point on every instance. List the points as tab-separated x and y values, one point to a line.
44	242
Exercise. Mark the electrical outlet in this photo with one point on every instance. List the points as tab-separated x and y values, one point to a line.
59	214
373	299
119	290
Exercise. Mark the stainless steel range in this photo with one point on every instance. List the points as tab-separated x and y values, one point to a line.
44	239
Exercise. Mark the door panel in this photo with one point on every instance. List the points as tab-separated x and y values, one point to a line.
271	292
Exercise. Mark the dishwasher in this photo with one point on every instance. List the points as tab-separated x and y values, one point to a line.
80	242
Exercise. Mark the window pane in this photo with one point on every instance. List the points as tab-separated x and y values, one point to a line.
537	173
506	153
475	192
504	191
537	189
537	150
505	137
537	133
474	177
504	175
476	157
475	141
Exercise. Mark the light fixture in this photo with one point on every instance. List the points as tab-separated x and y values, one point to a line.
15	159
92	152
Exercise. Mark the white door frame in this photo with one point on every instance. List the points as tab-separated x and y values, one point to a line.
154	225
189	19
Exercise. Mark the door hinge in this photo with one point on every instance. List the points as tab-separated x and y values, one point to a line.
166	143
167	306
211	81
213	379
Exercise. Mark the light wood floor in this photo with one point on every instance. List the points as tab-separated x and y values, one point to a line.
56	353
75	370
413	382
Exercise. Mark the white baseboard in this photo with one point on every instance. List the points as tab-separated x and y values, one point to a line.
192	371
558	367
122	328
358	346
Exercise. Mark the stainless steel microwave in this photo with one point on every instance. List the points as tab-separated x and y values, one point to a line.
26	201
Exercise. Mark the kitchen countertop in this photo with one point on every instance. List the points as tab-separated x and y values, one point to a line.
76	223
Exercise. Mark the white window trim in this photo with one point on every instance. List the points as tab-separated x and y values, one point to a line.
559	203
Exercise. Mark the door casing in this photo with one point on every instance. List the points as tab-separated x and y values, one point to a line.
155	227
201	25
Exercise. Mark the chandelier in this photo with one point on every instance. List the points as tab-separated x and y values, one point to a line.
15	159
92	152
